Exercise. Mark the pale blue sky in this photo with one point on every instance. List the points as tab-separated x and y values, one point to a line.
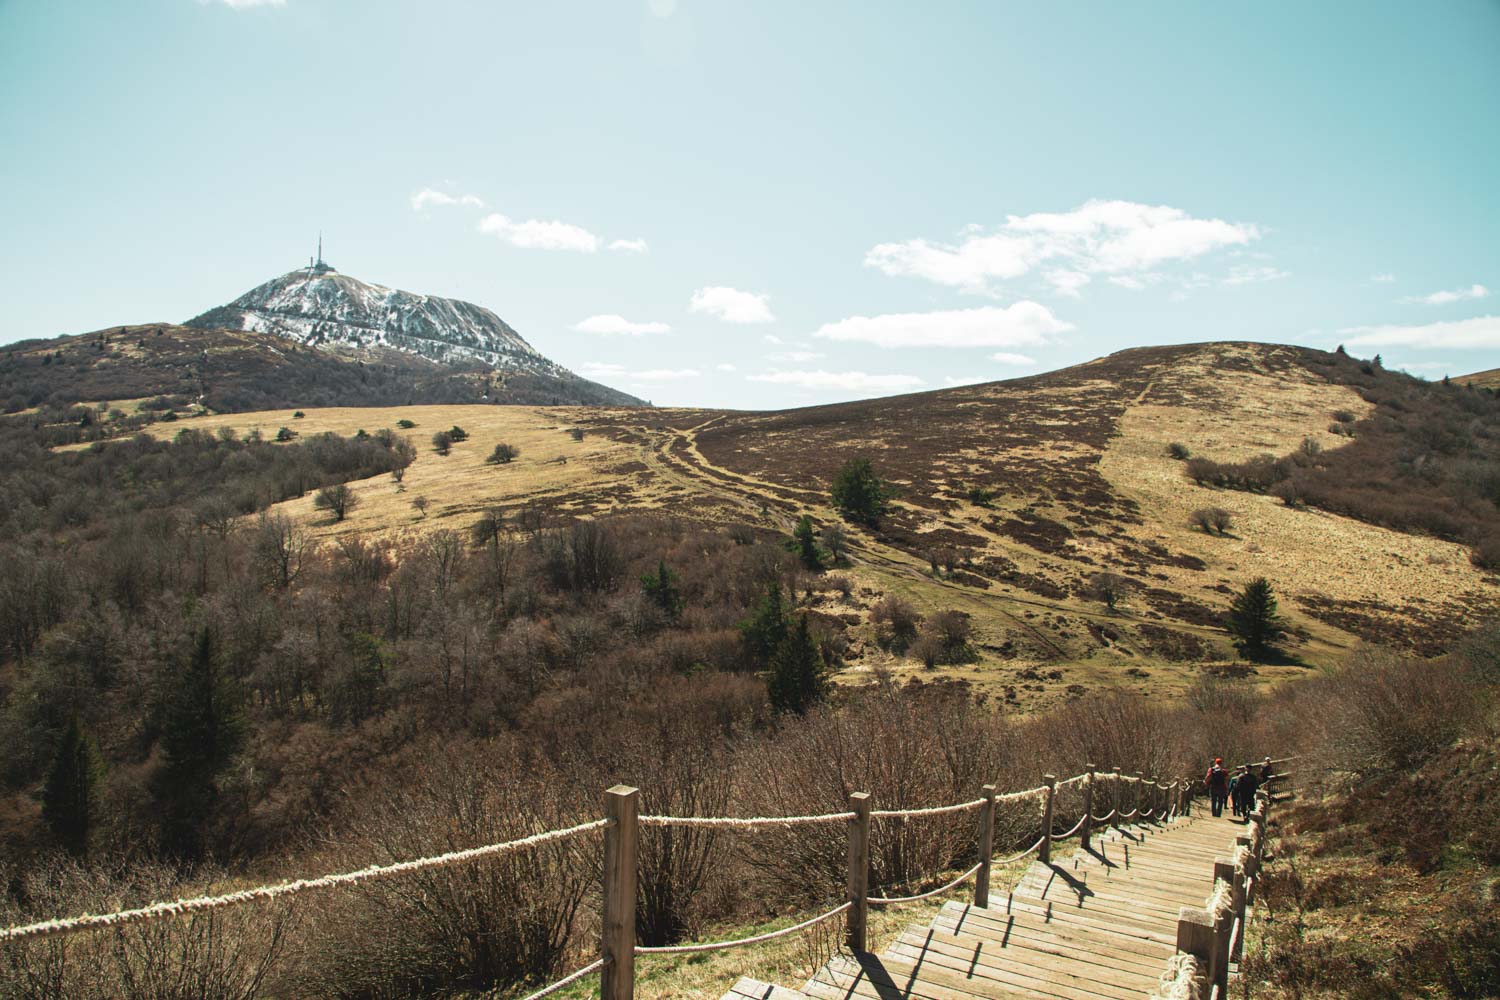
919	193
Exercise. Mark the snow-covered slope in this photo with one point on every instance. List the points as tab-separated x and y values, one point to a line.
320	307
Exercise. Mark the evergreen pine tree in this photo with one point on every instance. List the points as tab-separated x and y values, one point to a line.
661	588
805	537
764	630
798	678
70	796
858	492
1253	619
202	732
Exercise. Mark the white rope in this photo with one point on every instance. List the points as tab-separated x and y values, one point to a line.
888	900
1183	979
47	928
1241	857
746	821
1102	819
1064	836
1075	780
1018	857
682	949
1222	900
933	811
592	967
1027	794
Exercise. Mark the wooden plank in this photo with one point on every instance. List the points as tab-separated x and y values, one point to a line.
1034	932
884	974
754	989
1048	965
1063	914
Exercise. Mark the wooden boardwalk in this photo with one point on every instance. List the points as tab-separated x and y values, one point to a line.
1099	926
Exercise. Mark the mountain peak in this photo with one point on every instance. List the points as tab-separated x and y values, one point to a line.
321	307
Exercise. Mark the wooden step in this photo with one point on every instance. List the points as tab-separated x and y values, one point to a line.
754	989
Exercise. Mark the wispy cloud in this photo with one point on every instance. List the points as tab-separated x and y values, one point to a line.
431	196
630	246
1248	274
1479	333
612	324
732	305
535	234
621	373
1022	324
1445	297
855	381
1006	358
1383	279
725	366
795	357
1098	237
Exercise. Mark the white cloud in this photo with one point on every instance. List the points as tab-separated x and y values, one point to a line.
956	380
771	338
620	372
732	305
796	357
1098	237
612	324
662	8
1022	324
1383	279
1443	298
1246	274
1479	333
630	246
725	366
1006	358
845	381
535	234
432	196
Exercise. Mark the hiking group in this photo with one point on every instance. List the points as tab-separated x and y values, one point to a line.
1238	788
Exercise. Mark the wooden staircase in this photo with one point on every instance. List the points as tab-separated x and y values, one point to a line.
1100	926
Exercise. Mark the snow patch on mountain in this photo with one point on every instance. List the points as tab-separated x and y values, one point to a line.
320	307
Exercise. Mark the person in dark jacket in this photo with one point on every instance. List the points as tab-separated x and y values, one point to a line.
1247	786
1217	783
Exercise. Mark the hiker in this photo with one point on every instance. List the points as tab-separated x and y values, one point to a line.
1235	799
1248	785
1266	772
1217	783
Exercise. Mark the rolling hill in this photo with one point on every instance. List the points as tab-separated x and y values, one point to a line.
1073	477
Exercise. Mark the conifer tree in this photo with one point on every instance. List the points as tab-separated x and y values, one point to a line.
805	537
858	492
661	588
1253	619
763	631
70	796
798	678
202	731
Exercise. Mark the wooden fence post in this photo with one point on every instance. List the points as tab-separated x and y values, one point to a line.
859	871
1195	936
1223	869
1155	799
1114	814
1046	855
986	846
1088	808
617	944
1140	786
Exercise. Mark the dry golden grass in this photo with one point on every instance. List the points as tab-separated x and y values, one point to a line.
1303	552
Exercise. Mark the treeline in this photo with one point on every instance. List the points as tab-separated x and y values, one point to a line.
1426	459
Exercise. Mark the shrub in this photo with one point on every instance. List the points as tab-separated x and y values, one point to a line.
298	415
1179	451
895	620
285	434
457	433
980	496
339	500
503	454
576	433
1253	619
1213	520
405	424
442	442
1110	588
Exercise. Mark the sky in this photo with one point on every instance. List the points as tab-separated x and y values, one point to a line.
773	204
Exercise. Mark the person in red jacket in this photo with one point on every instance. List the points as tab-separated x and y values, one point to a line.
1217	783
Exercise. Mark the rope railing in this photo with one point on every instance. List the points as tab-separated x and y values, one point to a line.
621	825
947	887
1183	979
264	893
687	949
